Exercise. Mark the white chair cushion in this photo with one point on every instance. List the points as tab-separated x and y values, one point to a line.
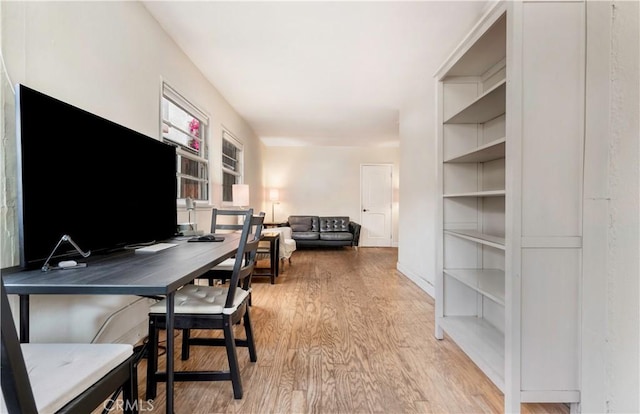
226	264
202	299
60	372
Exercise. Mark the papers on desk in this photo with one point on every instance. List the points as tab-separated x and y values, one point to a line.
154	248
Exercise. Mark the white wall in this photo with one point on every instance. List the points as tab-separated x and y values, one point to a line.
108	58
418	194
8	233
323	180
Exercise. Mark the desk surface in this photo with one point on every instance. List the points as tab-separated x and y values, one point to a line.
128	273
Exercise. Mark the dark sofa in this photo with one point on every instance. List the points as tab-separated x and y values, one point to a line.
315	231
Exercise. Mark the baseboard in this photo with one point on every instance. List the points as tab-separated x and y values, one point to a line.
417	279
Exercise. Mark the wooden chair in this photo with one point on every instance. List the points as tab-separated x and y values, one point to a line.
211	307
223	270
63	378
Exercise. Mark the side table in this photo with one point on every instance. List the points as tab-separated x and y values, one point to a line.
275	224
274	255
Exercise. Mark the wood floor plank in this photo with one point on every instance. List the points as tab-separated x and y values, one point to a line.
342	331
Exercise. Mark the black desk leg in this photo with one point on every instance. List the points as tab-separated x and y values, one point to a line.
274	260
169	355
24	318
277	257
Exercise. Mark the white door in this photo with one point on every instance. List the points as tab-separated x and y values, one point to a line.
376	203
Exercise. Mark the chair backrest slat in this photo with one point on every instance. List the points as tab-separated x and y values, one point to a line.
247	247
216	214
257	224
251	252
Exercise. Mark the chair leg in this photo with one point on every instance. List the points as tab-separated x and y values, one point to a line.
248	329
186	335
232	356
152	360
130	391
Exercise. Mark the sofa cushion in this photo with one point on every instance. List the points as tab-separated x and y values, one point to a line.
333	224
303	223
305	235
336	235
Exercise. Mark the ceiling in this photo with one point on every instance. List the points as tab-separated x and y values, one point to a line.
331	73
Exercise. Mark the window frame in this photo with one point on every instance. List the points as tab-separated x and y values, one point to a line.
199	156
239	172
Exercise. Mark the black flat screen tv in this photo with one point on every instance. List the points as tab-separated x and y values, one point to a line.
102	184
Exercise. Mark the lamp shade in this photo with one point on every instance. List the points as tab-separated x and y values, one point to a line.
240	194
274	194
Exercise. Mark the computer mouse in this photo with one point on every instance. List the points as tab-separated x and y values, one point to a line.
207	237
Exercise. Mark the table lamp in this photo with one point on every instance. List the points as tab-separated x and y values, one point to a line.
240	195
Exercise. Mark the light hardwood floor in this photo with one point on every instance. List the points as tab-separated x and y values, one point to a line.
342	331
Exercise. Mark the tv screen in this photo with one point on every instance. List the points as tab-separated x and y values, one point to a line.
102	184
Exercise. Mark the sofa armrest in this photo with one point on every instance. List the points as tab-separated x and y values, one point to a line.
354	228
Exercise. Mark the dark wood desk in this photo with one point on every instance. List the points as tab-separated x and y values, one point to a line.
127	273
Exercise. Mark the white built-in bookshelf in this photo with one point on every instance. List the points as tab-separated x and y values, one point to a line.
510	163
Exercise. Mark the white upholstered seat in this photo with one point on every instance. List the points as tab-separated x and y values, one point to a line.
76	378
60	372
202	300
287	244
287	248
226	265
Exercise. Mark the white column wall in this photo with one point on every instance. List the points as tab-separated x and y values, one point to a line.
419	191
623	370
610	377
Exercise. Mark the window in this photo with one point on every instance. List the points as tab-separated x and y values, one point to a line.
232	165
186	127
